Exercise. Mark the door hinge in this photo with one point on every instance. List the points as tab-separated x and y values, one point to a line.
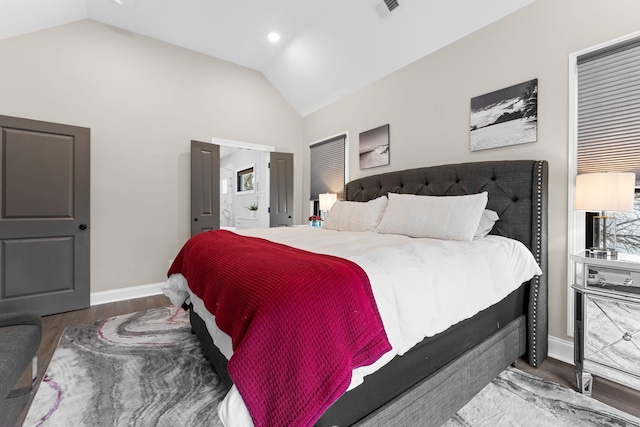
269	165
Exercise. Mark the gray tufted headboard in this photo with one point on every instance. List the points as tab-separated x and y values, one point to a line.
517	192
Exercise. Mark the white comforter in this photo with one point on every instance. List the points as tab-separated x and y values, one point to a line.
421	286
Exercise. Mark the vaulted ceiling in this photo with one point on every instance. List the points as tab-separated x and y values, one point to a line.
328	48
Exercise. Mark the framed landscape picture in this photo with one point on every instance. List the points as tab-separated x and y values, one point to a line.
505	117
374	147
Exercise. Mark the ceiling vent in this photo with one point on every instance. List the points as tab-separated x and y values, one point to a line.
383	8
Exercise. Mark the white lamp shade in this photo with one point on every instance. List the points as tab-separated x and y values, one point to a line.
605	191
327	200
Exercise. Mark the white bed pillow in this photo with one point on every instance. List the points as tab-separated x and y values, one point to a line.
437	217
487	220
355	216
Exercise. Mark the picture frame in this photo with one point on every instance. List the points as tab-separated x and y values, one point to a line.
245	179
504	117
374	147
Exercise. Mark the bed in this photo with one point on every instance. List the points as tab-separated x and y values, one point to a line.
429	382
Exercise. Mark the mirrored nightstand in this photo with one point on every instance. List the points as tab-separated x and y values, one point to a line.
607	319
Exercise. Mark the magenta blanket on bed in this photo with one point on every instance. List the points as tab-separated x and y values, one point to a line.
299	322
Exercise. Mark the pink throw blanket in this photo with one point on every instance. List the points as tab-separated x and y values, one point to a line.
299	322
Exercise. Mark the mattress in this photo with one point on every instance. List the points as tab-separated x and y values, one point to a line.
422	286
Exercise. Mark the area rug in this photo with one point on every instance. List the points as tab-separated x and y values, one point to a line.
147	369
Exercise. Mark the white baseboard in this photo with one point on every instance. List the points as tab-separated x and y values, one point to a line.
561	350
104	297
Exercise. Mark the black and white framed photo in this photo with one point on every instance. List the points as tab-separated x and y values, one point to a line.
374	147
505	117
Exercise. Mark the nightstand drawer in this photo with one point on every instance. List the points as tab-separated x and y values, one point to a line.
244	223
612	339
612	278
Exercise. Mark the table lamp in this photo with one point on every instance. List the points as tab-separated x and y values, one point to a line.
326	203
602	192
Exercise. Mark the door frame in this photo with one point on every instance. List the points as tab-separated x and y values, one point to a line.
240	144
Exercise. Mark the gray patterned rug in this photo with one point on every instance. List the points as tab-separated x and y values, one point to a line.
147	369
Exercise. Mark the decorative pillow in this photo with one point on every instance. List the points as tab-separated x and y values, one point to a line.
437	217
355	216
487	220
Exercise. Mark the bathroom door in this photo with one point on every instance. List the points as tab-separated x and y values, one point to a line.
205	187
281	189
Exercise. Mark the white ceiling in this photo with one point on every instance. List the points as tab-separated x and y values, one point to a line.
328	48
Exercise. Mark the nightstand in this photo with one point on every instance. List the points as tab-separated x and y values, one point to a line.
607	319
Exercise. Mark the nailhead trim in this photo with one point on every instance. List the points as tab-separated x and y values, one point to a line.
536	285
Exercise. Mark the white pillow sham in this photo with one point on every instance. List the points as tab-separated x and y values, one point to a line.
487	220
436	217
355	216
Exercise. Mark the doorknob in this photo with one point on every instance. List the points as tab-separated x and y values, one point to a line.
195	219
83	227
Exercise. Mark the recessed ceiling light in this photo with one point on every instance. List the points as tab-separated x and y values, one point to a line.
274	37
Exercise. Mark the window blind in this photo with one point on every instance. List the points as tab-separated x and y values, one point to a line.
328	167
609	110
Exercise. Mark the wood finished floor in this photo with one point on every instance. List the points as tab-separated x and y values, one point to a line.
613	394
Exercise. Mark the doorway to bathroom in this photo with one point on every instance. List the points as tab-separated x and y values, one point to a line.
256	186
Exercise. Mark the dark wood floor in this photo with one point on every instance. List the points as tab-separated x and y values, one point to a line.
608	392
613	394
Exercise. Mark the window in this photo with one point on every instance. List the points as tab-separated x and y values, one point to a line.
604	132
608	123
628	228
328	168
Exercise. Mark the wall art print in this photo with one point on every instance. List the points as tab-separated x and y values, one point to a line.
245	179
505	117
374	147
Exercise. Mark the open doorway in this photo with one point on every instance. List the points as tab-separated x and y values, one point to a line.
244	185
256	186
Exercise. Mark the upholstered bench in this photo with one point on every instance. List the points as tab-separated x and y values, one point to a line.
20	335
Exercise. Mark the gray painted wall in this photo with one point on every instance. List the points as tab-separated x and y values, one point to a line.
144	101
427	104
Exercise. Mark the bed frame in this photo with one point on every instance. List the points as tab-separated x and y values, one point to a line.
518	193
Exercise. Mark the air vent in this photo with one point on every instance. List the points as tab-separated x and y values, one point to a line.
383	8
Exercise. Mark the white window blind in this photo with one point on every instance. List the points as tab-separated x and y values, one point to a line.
328	167
609	110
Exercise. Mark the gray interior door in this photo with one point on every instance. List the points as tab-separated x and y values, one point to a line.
205	187
281	189
44	218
